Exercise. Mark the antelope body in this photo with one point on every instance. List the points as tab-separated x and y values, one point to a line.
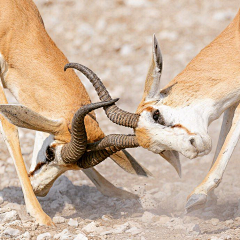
176	118
54	103
207	87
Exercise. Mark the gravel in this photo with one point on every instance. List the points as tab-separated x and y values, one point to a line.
114	39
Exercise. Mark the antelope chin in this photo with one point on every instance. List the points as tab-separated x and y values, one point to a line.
43	179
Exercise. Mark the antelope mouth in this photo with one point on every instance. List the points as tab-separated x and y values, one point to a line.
38	166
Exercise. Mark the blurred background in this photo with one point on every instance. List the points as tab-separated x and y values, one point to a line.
114	39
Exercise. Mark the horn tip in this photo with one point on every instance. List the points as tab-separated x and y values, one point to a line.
155	41
66	67
115	99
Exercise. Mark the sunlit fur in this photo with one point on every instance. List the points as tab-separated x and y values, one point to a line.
32	67
192	100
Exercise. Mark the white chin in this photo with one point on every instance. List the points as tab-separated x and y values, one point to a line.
44	179
156	149
189	154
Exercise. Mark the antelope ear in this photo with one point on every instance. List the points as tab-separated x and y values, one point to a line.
24	117
152	83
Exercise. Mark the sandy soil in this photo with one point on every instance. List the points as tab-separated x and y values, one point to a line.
114	39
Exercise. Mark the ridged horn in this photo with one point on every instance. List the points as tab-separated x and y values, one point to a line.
114	113
72	151
117	140
92	158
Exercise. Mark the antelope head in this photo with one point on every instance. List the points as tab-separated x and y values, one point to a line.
53	156
158	126
163	126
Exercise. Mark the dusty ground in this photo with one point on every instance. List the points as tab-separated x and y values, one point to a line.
114	39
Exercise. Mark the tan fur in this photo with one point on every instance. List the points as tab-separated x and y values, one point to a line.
142	137
221	59
205	77
37	79
145	106
36	68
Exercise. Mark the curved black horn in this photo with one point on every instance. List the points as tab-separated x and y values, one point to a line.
92	158
117	140
114	113
72	151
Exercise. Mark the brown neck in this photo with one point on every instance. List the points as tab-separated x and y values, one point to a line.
213	74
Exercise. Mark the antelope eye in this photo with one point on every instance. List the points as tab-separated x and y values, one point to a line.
50	154
158	118
156	115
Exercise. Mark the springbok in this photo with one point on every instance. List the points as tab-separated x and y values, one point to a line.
56	105
176	118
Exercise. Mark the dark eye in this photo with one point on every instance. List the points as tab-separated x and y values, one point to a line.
50	155
157	117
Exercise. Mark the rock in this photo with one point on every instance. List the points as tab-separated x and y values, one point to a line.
117	229
58	220
14	223
12	232
147	217
163	219
191	227
64	235
214	221
229	222
9	216
121	228
73	223
80	236
44	236
25	236
134	231
93	227
107	218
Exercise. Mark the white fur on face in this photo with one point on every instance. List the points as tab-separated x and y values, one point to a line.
43	178
191	139
42	141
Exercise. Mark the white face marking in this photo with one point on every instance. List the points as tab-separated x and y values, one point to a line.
191	139
42	141
43	178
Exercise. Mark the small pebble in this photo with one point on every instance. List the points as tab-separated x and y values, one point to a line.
44	236
80	236
147	217
73	223
58	220
12	232
214	221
